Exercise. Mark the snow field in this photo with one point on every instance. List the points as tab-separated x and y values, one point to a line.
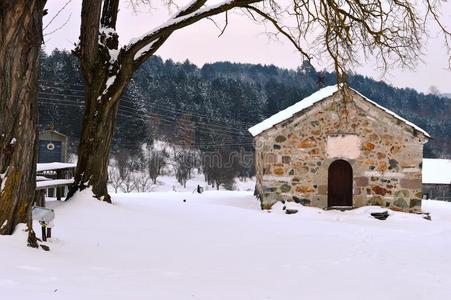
220	245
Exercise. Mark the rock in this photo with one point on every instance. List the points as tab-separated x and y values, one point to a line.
286	159
401	203
277	147
361	181
279	171
395	149
285	188
380	190
303	201
393	164
291	211
304	189
415	202
376	200
314	123
280	139
368	146
314	152
302	170
410	183
45	247
381	166
316	132
308	143
380	215
374	137
402	193
269	158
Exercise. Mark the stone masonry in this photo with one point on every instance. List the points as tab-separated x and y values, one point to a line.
293	157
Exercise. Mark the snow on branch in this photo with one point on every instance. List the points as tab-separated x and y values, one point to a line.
189	15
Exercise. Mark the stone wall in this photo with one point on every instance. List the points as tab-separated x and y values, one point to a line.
293	157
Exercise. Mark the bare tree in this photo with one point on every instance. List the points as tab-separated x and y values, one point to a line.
391	31
115	179
156	160
20	40
142	182
124	164
183	165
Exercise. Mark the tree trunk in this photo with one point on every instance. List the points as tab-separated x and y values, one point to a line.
95	141
20	40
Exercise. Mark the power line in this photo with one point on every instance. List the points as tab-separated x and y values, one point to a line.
133	110
124	113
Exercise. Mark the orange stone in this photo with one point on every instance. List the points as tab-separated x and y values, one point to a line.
279	171
308	143
314	152
316	132
382	166
304	189
368	146
380	190
381	155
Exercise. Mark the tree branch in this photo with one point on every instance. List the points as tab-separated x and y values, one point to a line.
148	43
279	29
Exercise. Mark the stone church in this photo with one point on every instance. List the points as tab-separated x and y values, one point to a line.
332	153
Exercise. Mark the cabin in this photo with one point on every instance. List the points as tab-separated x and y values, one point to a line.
437	179
52	146
339	149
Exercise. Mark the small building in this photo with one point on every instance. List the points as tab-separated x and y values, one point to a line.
437	179
338	149
52	146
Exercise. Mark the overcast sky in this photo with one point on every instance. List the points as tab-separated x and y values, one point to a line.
243	41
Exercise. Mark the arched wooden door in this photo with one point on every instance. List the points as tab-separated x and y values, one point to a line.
339	184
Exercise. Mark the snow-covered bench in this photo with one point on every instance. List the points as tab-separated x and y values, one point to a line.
53	180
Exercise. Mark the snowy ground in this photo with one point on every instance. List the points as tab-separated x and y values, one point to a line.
219	245
169	183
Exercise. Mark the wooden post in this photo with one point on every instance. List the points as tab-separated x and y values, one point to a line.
43	232
49	232
58	193
42	198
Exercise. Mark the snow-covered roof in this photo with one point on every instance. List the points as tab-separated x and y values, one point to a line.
51	131
311	100
54	166
437	171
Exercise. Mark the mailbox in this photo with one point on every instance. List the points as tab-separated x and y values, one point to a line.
43	214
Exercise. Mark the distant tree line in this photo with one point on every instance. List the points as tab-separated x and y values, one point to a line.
210	108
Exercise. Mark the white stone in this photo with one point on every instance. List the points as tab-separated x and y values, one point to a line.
343	146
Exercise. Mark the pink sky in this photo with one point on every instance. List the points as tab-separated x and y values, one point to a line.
243	41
